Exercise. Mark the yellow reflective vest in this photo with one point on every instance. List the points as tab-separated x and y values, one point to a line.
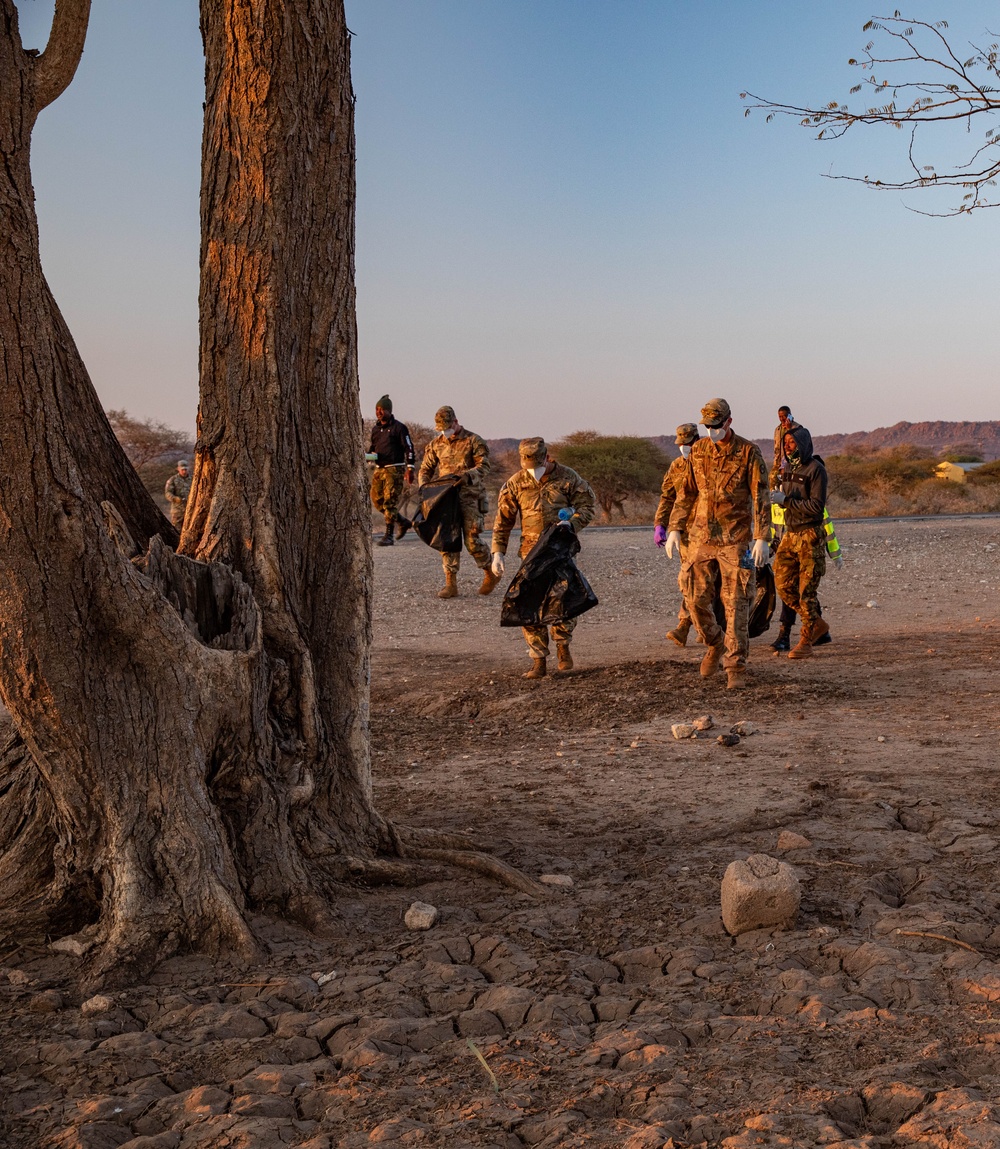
778	525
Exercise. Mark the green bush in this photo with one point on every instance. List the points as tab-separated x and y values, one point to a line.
618	467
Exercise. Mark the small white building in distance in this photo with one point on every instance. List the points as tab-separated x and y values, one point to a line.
954	472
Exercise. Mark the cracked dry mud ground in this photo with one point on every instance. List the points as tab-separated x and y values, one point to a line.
617	1012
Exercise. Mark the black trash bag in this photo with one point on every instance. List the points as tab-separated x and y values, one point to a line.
762	607
438	519
549	587
763	603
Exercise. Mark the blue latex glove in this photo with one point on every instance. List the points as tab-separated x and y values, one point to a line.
660	536
566	514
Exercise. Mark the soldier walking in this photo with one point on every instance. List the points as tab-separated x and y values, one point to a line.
537	493
177	490
391	450
726	511
456	451
677	477
800	561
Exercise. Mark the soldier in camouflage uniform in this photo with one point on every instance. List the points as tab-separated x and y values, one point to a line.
456	451
724	509
177	490
677	477
800	562
537	493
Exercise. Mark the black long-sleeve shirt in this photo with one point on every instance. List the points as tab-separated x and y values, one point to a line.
392	443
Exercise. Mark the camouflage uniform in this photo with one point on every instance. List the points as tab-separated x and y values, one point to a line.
177	490
538	503
386	488
465	453
798	566
677	477
725	506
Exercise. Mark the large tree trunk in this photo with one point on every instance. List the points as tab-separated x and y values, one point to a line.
192	726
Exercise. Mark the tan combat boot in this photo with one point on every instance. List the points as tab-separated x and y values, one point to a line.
680	633
490	580
537	669
565	658
819	628
803	648
736	678
450	588
710	663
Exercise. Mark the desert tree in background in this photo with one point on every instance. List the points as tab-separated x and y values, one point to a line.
915	77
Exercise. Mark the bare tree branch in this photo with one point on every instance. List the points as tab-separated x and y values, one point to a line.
57	65
924	85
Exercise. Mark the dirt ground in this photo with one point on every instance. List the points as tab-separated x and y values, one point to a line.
616	1011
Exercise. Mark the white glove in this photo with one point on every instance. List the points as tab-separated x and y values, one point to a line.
778	497
498	564
760	552
673	543
838	562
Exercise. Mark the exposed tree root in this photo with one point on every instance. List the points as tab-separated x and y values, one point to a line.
383	871
486	865
422	837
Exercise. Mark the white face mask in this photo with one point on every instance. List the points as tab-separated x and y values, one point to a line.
448	433
716	434
685	450
538	471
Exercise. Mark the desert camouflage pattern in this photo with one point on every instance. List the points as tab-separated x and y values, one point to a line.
538	503
739	584
473	503
465	453
537	637
177	490
799	565
386	488
727	502
677	477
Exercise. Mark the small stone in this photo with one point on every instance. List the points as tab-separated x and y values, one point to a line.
72	944
728	740
421	916
682	730
99	1003
789	840
50	1001
556	880
744	728
759	893
18	977
705	722
322	979
881	738
871	603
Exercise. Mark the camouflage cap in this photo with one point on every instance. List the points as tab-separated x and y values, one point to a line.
182	463
532	450
385	403
715	413
687	433
444	417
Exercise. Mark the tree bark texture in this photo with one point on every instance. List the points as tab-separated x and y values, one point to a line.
192	727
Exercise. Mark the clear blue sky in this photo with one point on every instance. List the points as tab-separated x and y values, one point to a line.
564	219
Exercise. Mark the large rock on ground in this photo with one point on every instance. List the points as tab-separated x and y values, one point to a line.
759	893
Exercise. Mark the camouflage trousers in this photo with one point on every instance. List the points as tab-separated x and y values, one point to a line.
387	486
705	569
472	503
798	566
177	514
537	637
684	616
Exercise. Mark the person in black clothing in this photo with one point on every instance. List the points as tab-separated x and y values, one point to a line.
391	450
800	561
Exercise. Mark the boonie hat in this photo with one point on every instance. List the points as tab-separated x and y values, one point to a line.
444	417
385	403
715	413
532	450
687	433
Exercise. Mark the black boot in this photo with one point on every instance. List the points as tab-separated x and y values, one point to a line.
402	526
386	539
781	643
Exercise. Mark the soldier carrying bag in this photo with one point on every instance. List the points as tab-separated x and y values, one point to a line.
549	587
